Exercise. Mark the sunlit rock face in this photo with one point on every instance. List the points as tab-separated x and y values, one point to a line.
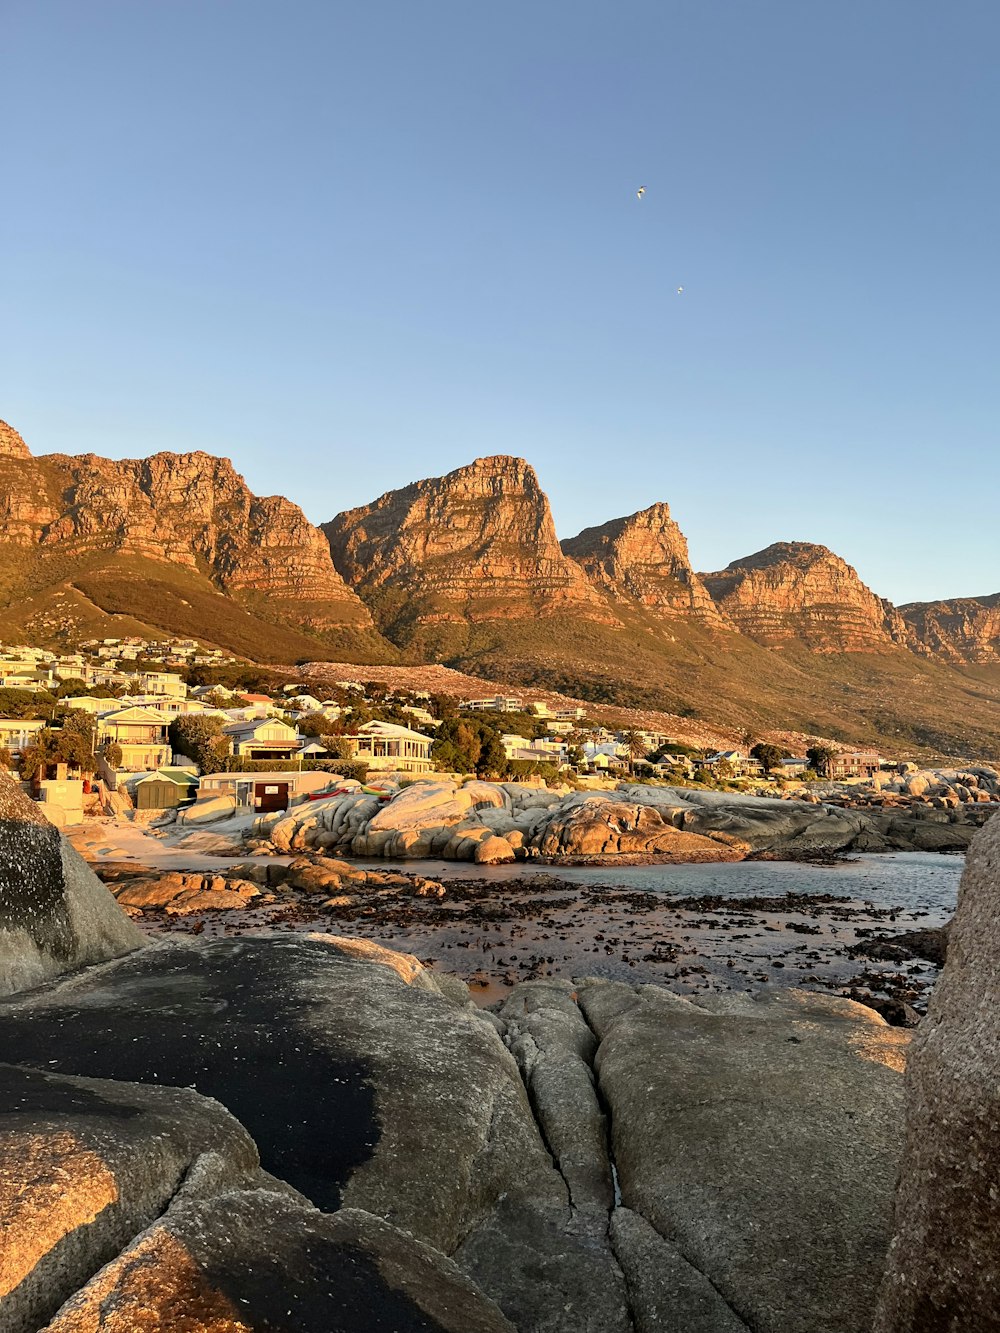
797	592
645	557
55	914
944	1270
476	544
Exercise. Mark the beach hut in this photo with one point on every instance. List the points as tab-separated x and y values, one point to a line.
165	789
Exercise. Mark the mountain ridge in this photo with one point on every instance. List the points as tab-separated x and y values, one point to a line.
466	569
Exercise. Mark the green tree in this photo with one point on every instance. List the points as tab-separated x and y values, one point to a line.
820	758
635	748
492	759
200	738
769	756
112	753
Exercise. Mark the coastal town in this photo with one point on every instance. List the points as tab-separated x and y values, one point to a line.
130	727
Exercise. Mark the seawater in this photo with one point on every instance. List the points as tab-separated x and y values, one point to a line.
922	884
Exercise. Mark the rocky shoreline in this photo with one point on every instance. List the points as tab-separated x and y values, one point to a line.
494	933
290	1131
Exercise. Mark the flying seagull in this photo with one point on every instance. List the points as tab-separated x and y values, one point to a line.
640	192
679	290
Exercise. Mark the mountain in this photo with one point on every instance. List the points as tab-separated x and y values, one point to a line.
175	543
466	569
966	629
474	546
796	591
645	558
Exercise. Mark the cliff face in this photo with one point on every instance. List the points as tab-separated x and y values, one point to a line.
966	629
11	444
196	511
795	591
477	544
645	557
80	524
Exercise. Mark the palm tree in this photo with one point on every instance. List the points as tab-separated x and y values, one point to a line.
635	748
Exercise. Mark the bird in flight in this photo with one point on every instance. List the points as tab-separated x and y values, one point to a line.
640	192
679	290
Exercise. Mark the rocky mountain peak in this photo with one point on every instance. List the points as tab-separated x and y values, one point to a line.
11	443
477	543
799	591
645	556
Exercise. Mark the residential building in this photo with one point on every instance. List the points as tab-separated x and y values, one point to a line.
142	735
536	751
165	789
854	764
262	738
498	704
17	733
162	683
262	792
387	747
740	764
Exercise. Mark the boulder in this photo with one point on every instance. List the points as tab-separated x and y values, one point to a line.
87	1164
759	1138
362	1087
598	825
493	851
55	914
262	1259
944	1269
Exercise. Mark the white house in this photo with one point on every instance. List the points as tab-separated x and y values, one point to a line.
142	735
387	747
262	738
17	733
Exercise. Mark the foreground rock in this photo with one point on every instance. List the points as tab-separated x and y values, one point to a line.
54	912
758	1138
362	1086
127	1207
943	1267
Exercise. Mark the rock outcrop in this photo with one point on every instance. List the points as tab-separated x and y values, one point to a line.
477	544
758	1140
494	822
943	1270
189	514
965	629
797	592
55	914
11	443
645	557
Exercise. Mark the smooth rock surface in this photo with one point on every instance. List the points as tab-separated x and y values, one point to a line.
55	914
359	1089
760	1137
86	1164
944	1263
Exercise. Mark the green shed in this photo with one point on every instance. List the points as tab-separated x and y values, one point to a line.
165	789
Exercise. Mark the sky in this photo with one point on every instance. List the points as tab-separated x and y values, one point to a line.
349	245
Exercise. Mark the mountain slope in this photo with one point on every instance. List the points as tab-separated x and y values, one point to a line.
75	528
966	629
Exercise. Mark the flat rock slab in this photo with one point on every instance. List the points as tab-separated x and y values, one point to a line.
760	1137
361	1084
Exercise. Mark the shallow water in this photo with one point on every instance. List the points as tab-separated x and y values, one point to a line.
916	882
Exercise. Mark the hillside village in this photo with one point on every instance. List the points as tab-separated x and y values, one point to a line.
128	725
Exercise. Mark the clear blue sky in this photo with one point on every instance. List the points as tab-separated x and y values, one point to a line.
349	245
